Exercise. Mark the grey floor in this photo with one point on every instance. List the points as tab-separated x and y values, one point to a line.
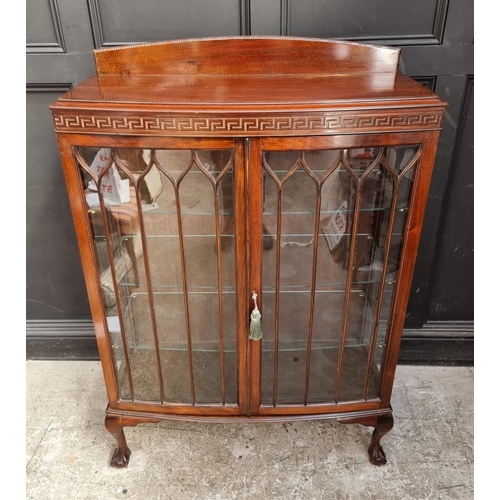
430	449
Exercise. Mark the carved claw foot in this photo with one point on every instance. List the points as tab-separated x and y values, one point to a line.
121	455
377	455
120	458
375	450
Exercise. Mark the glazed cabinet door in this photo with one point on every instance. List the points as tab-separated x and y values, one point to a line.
167	244
329	221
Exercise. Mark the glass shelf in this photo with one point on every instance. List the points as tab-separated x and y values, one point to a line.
283	235
399	208
265	347
200	290
185	212
300	288
148	236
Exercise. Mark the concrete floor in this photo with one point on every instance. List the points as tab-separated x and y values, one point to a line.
430	449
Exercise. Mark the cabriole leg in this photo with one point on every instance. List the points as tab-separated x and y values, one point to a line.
375	450
121	455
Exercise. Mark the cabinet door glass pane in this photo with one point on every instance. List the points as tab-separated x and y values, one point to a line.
334	223
163	225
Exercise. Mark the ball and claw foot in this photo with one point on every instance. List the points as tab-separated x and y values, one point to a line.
377	455
120	458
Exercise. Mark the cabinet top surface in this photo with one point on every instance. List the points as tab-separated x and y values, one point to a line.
238	72
240	90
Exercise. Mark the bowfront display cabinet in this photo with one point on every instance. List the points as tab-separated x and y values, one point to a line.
248	213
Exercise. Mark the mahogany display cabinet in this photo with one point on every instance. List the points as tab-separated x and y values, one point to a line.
248	212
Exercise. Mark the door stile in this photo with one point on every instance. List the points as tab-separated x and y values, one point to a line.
254	191
240	228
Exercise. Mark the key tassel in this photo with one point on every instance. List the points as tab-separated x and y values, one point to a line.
255	323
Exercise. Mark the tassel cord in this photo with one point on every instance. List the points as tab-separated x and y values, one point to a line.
255	322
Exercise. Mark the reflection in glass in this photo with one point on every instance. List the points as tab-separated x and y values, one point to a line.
337	218
165	248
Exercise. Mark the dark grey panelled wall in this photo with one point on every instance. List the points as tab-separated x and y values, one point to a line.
132	22
55	280
453	284
436	37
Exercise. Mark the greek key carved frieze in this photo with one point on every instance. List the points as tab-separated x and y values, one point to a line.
320	123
